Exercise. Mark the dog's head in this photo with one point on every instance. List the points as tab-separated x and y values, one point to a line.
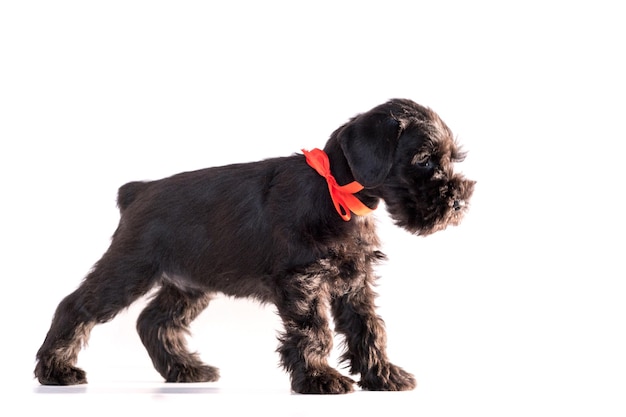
405	154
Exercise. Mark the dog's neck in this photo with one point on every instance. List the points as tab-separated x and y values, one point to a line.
338	163
343	196
343	174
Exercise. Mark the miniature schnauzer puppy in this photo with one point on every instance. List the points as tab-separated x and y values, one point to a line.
291	231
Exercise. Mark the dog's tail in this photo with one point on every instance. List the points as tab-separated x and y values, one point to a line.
128	193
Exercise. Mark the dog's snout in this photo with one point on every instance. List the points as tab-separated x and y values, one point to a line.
458	205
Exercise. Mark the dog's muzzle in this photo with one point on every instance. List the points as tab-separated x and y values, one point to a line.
458	204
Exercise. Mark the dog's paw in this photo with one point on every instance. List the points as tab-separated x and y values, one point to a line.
188	373
60	375
327	382
388	377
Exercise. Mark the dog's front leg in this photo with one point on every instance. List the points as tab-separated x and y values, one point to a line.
366	339
307	339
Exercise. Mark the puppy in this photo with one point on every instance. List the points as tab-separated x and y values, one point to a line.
291	231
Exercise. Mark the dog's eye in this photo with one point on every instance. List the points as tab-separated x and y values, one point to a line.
425	164
423	161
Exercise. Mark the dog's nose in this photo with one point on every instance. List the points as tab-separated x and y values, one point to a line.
458	204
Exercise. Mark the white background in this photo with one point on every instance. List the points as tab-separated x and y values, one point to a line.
519	311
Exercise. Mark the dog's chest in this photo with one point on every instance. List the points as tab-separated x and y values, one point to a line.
348	263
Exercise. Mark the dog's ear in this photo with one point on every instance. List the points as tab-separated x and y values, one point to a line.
368	142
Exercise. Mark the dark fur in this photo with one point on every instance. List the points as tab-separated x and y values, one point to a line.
268	230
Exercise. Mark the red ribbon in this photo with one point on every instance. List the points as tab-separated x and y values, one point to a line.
342	195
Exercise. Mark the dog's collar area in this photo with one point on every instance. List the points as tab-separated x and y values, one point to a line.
342	195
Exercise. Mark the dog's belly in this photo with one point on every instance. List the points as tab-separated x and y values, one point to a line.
228	283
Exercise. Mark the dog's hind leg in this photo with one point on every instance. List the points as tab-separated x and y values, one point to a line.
162	327
115	282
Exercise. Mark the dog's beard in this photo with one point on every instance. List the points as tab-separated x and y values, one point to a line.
429	207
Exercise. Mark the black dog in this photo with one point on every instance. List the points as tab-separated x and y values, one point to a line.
282	231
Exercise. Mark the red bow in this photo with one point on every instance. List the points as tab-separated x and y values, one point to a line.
342	195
